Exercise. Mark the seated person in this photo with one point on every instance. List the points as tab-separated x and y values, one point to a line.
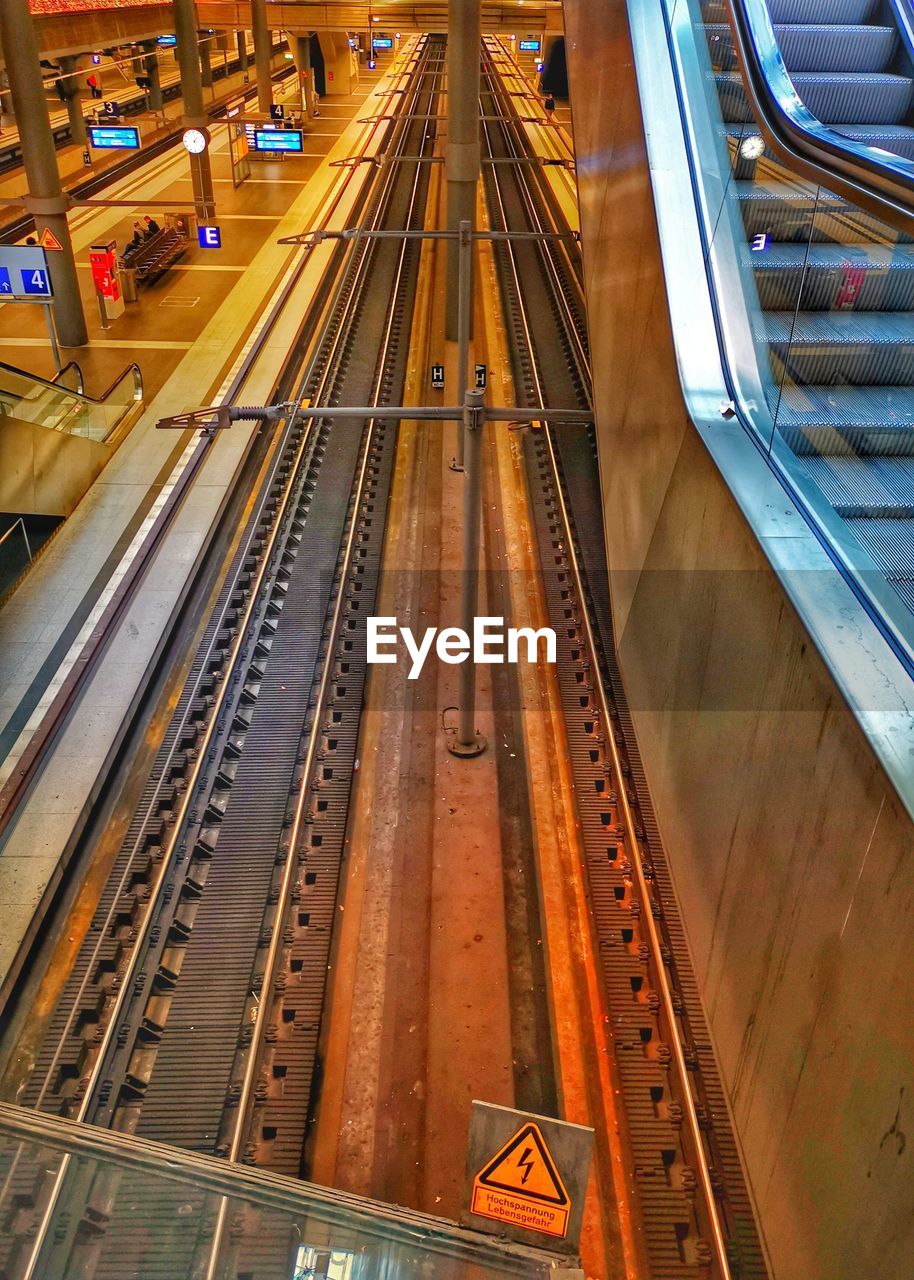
137	237
152	227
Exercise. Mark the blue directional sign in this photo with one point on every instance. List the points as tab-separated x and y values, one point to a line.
24	273
114	135
35	282
530	46
209	237
278	140
382	42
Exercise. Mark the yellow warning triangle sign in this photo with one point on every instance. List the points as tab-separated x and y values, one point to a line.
525	1168
48	240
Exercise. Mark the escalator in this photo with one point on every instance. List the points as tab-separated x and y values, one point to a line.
829	286
850	62
54	441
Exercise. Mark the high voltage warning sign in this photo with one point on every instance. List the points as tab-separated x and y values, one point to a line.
526	1175
522	1186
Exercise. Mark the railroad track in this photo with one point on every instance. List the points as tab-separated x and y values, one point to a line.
193	1012
694	1206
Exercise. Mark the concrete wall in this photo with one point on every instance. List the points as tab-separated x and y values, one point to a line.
792	853
45	472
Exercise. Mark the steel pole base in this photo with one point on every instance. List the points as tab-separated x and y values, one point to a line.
455	465
464	749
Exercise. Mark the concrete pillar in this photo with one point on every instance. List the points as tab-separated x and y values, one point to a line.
71	83
261	34
206	66
7	115
243	52
45	200
151	69
7	112
340	70
185	16
462	155
303	62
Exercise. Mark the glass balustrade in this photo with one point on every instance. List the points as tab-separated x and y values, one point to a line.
814	301
60	405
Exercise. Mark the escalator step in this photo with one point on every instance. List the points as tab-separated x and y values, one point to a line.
789	213
890	542
813	48
847	12
834	98
843	97
865	486
897	138
835	277
850	421
860	348
835	47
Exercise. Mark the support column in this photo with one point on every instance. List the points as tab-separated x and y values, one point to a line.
70	83
242	37
151	69
303	62
462	155
206	66
185	14
45	199
467	741
261	33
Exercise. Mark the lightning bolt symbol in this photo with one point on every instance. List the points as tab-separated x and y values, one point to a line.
525	1163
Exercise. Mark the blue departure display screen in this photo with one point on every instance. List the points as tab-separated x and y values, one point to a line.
278	140
382	42
530	46
168	41
114	135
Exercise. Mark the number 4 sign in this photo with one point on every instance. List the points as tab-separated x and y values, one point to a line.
35	283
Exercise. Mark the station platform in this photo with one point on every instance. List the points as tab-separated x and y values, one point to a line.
117	83
191	334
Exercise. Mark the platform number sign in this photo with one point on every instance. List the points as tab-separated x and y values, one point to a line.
437	377
111	108
481	376
35	282
277	111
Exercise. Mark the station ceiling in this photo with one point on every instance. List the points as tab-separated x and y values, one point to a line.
75	26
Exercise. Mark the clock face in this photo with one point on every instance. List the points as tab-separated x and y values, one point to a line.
195	141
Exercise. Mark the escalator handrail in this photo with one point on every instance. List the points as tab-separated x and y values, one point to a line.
876	180
53	384
61	373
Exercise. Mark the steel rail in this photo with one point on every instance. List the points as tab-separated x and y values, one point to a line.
268	983
629	825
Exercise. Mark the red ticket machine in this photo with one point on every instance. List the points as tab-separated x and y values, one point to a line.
106	277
